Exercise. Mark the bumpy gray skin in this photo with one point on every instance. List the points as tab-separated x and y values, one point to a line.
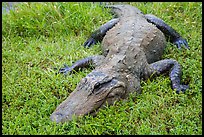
132	46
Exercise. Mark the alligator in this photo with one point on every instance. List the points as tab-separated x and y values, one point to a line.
132	44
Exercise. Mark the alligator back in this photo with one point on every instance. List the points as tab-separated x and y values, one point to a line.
133	32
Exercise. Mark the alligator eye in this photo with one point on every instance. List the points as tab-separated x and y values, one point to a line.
97	85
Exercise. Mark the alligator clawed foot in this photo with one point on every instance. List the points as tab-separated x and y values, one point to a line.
182	88
89	42
65	70
180	41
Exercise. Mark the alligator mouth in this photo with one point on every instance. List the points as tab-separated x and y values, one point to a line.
95	111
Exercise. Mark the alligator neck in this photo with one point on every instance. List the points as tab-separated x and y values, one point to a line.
124	10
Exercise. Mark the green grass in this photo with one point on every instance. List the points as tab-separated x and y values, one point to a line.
39	37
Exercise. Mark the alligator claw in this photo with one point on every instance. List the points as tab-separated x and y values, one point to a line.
89	42
65	70
180	41
182	89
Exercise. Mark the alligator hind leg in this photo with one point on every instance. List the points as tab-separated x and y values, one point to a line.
174	36
93	60
97	36
167	65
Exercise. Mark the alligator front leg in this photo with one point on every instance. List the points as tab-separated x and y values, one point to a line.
93	60
133	84
167	65
175	37
97	36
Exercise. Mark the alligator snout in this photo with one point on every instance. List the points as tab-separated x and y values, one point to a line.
59	117
90	95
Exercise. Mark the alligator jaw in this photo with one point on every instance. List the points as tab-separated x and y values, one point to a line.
88	97
75	104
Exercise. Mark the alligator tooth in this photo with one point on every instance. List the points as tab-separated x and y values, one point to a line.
130	39
128	42
148	42
155	31
141	40
124	62
135	56
132	49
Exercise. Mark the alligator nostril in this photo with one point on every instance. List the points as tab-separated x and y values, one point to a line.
56	117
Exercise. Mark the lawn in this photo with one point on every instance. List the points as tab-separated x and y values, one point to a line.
38	38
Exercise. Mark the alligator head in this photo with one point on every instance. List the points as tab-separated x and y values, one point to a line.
91	93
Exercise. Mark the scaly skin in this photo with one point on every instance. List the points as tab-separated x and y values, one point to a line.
132	46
